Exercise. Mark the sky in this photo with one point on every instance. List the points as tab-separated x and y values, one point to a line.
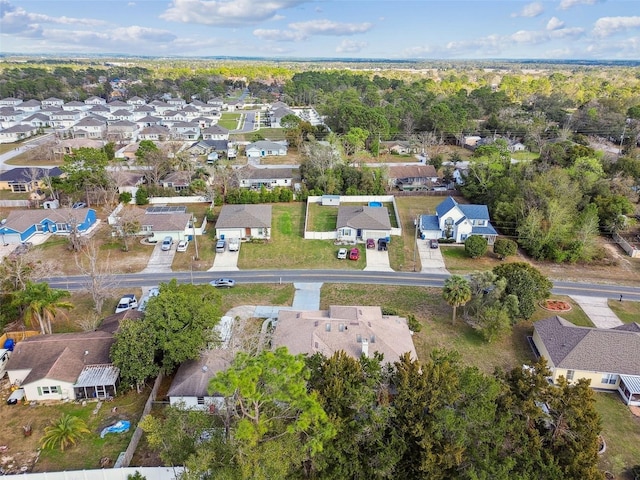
389	29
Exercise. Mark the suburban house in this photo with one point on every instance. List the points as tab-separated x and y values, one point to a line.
413	177
179	180
189	388
157	222
215	132
458	221
362	222
65	366
398	147
25	179
608	357
252	177
18	132
264	148
356	330
21	225
244	221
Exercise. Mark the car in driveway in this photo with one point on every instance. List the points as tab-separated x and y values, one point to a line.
182	246
79	205
371	243
382	244
354	254
166	243
127	302
342	254
223	283
153	292
15	396
221	246
433	243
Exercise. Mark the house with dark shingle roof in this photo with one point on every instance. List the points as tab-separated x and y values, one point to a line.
413	177
362	222
157	224
26	179
252	177
458	221
244	221
608	357
65	366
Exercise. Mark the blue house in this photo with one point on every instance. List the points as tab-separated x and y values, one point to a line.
458	221
21	225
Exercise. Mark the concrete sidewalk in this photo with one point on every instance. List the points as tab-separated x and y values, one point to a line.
597	309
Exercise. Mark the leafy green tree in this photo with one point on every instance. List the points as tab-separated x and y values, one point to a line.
142	196
493	322
526	283
64	432
125	197
353	394
456	292
144	148
277	424
505	247
353	140
136	476
182	317
475	246
133	352
178	433
41	304
86	172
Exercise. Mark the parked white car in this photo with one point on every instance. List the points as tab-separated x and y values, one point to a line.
234	244
128	302
182	246
153	292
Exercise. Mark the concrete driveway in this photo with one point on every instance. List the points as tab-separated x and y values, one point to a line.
430	258
160	260
377	261
598	311
225	262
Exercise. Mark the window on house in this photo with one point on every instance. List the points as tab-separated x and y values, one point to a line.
609	378
570	374
21	187
62	227
146	228
50	390
200	400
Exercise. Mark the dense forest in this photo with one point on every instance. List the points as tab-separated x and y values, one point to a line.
345	418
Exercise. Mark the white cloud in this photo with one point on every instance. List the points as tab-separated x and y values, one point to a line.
350	46
619	49
131	4
226	13
530	10
303	30
606	26
534	37
566	4
554	23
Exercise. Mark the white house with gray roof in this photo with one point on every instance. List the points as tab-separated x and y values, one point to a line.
244	221
264	148
362	222
608	357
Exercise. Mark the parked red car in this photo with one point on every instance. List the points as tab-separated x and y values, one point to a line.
371	243
354	254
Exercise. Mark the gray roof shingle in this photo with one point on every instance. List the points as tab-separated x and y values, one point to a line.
244	216
358	216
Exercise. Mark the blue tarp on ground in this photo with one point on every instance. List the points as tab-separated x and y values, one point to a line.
118	427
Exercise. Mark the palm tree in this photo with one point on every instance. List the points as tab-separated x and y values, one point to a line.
65	432
42	303
456	292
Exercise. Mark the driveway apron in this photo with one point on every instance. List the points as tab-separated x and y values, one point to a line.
430	258
597	309
160	260
225	262
378	260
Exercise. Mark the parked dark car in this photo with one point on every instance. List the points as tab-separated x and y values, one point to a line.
354	254
371	243
382	244
433	243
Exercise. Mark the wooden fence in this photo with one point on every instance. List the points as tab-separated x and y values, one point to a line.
17	336
124	459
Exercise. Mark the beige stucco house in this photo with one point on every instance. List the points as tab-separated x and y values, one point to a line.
356	330
362	222
608	357
244	221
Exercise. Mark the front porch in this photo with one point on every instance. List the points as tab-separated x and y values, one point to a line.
96	381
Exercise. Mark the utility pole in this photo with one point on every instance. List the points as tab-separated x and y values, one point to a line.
195	238
415	242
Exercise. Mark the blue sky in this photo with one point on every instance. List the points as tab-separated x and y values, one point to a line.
395	29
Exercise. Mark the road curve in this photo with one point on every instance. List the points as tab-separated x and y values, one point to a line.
133	280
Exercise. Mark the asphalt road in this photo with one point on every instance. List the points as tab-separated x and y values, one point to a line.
134	280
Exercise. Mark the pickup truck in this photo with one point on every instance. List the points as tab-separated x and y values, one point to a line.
127	302
234	244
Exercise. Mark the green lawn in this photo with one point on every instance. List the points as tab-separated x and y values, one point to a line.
229	120
626	311
621	432
322	218
525	156
287	247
